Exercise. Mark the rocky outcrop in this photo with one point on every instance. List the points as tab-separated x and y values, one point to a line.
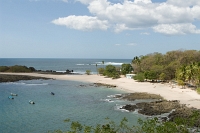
161	106
157	107
106	85
134	96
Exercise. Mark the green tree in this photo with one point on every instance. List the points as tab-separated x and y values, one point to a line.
126	68
139	77
111	71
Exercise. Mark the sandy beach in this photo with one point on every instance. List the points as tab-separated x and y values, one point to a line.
185	96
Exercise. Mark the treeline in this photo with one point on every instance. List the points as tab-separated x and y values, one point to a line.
16	68
180	65
115	72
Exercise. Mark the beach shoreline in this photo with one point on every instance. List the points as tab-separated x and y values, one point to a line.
188	97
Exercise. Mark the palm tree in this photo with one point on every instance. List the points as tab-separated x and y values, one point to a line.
181	75
96	69
136	60
103	63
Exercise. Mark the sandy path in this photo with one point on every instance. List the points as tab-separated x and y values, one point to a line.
185	96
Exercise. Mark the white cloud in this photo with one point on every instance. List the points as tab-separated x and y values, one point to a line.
145	33
183	3
132	44
82	22
177	15
142	1
129	44
174	29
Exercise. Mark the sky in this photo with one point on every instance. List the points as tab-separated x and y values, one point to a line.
104	29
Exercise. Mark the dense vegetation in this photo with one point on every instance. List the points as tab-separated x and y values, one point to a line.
16	68
183	66
115	72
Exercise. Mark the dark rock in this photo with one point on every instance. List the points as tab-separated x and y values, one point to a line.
157	107
106	85
129	107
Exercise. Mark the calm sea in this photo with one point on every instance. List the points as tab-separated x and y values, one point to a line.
77	65
76	101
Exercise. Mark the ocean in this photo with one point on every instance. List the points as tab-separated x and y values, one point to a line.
61	65
77	101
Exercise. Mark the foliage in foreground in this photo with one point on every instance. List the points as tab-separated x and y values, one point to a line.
178	125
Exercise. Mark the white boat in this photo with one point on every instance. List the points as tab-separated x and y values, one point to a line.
13	94
31	102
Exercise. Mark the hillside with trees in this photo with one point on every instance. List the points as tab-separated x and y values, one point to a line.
183	66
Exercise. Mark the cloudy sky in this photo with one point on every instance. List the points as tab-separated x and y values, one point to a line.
118	29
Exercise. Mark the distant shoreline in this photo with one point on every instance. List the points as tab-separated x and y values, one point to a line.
187	97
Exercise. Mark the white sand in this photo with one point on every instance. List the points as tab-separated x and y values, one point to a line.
185	96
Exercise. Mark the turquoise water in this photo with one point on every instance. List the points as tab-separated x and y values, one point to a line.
76	101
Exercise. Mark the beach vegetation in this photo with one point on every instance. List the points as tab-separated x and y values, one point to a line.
181	83
4	68
16	68
162	76
139	77
88	72
180	65
101	71
126	69
111	72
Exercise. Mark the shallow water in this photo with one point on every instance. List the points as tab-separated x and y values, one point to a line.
76	101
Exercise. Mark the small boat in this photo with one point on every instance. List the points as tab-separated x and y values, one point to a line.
52	93
10	97
13	94
31	102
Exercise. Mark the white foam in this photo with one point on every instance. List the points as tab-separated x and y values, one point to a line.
37	84
119	108
61	71
109	63
107	100
113	63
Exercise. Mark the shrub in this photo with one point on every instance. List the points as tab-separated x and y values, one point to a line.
4	68
16	68
139	77
88	72
111	71
126	68
101	71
